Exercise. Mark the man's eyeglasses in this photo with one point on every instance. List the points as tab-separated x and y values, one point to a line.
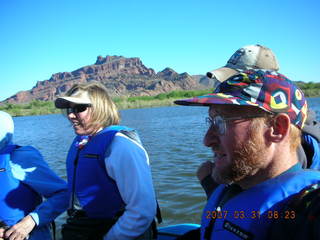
77	108
218	123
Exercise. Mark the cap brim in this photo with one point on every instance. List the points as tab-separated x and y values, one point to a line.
205	100
66	102
222	74
213	99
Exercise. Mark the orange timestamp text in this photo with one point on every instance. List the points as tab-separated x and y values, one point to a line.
271	214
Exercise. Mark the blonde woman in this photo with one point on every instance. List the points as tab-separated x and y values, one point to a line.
109	177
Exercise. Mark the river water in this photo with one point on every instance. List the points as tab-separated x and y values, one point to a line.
171	135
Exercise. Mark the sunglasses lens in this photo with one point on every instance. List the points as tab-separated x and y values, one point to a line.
77	109
80	108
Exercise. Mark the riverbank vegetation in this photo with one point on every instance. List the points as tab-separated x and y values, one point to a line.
37	107
310	89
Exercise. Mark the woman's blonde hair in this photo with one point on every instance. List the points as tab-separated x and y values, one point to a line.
103	110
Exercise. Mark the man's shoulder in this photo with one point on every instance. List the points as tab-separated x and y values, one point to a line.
296	180
29	150
301	174
25	153
25	149
311	173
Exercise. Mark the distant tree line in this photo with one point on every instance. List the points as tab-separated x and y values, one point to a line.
37	107
310	89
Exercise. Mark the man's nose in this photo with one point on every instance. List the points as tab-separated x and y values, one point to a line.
211	138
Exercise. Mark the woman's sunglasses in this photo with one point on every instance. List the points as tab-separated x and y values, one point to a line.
77	108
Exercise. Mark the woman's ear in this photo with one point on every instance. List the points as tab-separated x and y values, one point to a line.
279	127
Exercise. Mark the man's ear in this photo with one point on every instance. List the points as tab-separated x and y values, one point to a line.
279	127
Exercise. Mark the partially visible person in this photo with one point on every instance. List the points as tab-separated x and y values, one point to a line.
255	121
25	180
204	175
108	170
304	221
246	58
311	142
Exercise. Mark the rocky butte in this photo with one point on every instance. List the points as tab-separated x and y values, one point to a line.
122	77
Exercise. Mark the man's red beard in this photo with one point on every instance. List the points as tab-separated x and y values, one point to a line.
246	158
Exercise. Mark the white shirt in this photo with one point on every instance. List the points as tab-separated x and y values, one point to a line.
127	163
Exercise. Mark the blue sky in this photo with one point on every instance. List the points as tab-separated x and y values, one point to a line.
40	38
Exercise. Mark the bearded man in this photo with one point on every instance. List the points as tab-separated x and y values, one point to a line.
255	121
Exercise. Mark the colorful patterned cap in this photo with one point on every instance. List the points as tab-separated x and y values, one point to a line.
268	90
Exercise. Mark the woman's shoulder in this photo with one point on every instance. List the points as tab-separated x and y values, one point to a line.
129	139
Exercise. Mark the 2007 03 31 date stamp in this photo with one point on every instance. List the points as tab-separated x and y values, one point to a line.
271	214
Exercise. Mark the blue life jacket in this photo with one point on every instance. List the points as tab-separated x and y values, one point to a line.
248	215
314	147
96	192
16	198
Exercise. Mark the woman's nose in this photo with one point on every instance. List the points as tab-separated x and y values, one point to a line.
71	115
